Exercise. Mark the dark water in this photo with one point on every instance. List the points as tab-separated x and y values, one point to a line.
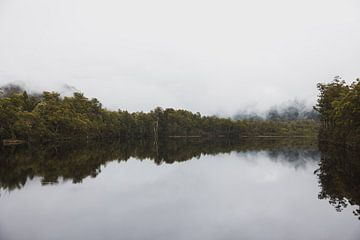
180	189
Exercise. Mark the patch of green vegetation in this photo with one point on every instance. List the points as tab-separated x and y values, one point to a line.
48	117
339	108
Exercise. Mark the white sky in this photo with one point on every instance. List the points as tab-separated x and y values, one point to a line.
207	56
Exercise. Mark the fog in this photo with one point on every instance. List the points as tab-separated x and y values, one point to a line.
215	57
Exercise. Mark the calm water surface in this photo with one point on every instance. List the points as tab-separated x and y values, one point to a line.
259	189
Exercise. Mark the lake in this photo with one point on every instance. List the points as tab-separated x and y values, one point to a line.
180	189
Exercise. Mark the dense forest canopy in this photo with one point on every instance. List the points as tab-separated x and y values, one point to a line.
49	116
339	108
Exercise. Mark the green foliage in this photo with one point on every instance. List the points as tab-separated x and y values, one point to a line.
49	117
339	108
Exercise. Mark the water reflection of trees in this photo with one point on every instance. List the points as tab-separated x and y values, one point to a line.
339	177
76	161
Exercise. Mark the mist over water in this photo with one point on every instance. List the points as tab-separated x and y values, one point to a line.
178	120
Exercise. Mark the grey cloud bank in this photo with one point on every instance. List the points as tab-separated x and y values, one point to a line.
207	56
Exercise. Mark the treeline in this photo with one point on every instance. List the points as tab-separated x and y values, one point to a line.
339	108
49	116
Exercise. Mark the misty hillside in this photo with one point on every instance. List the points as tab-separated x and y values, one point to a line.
290	111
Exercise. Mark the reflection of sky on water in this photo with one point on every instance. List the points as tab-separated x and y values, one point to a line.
228	196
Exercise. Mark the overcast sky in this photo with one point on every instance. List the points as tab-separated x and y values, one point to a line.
207	56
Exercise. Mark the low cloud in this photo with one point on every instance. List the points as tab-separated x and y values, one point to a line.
203	56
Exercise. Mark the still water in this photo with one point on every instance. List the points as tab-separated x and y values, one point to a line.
179	189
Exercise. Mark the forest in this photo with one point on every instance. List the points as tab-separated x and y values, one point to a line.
50	117
339	108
